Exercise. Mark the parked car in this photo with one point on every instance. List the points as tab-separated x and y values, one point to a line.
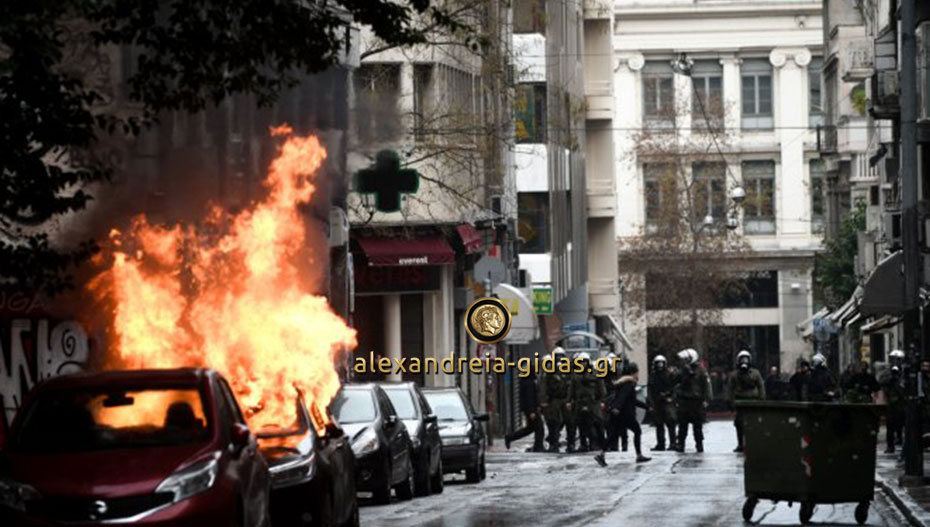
463	437
148	447
379	440
420	421
312	471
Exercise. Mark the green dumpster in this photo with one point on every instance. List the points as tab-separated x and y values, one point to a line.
809	453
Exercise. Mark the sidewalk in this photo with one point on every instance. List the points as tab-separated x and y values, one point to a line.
913	502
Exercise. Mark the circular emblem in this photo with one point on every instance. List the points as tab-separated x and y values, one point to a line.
487	320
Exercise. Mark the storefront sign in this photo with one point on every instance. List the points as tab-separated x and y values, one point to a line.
387	279
542	300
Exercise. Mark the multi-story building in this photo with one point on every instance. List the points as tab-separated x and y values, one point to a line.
740	118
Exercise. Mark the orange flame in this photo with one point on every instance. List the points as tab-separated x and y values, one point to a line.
230	295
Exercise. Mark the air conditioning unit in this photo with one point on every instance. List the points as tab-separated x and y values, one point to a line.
891	227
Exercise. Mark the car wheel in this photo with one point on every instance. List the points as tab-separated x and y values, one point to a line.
438	478
353	520
404	490
382	495
424	484
473	474
483	471
323	513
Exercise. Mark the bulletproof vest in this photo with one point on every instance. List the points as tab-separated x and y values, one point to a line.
661	382
557	386
745	384
587	389
692	384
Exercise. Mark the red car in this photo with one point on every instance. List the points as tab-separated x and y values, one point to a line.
148	447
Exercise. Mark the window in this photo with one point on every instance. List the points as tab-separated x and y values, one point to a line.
529	107
818	196
422	81
660	187
707	99
529	16
377	90
815	92
533	221
757	94
658	92
709	190
759	207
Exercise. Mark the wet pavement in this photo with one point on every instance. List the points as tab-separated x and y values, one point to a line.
570	489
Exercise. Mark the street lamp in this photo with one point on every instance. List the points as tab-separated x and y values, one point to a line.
708	220
682	65
738	194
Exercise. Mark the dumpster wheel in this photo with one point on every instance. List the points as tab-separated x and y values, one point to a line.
862	512
748	508
806	512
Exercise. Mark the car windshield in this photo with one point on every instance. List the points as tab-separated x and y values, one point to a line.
354	406
78	420
447	406
403	403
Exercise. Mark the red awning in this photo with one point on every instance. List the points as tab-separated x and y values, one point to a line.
429	250
471	238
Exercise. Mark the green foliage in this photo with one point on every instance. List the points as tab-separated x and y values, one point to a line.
834	269
185	55
858	97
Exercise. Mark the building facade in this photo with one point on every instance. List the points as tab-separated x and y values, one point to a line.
742	116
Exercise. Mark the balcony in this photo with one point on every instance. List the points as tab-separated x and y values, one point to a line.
603	296
599	100
885	95
598	9
601	198
858	62
826	139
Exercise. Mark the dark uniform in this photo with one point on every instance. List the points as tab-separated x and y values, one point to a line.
587	395
800	382
693	392
620	407
893	387
555	396
822	385
745	385
613	428
662	401
860	386
529	405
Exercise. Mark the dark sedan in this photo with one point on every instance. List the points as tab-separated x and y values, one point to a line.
463	437
312	472
420	421
156	447
379	440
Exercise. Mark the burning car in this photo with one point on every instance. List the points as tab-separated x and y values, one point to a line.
312	471
148	447
463	438
420	421
379	440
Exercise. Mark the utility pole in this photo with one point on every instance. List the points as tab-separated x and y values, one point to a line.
914	462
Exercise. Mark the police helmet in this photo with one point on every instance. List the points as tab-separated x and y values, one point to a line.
819	360
584	355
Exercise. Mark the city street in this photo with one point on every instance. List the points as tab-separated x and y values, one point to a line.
672	489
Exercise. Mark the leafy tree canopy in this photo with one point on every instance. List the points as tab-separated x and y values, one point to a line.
185	55
835	268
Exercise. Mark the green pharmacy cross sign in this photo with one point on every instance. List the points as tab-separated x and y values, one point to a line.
387	181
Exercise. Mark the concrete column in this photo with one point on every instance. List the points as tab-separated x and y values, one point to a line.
792	206
405	101
732	99
683	94
628	98
392	340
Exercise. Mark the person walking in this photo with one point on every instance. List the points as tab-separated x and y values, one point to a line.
619	436
775	389
694	395
555	396
860	386
661	395
822	384
588	399
892	383
529	405
621	406
800	381
746	384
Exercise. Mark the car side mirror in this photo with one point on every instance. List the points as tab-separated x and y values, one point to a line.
481	417
333	431
431	419
390	420
240	436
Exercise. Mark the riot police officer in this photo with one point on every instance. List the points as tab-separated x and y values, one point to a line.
746	384
661	395
694	395
555	399
588	398
822	385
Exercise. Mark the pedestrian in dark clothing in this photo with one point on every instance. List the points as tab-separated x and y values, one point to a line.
619	436
621	406
775	389
860	386
800	381
662	403
892	383
529	405
822	385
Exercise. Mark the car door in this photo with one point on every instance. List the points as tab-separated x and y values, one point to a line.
336	449
246	462
430	430
395	433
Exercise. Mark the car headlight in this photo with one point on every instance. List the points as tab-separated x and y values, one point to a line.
295	472
365	443
455	440
14	494
191	480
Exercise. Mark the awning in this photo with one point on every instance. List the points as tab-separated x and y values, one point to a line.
621	335
847	310
879	324
428	250
884	289
471	238
523	324
806	328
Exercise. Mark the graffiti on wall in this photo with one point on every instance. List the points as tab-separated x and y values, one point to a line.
32	350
